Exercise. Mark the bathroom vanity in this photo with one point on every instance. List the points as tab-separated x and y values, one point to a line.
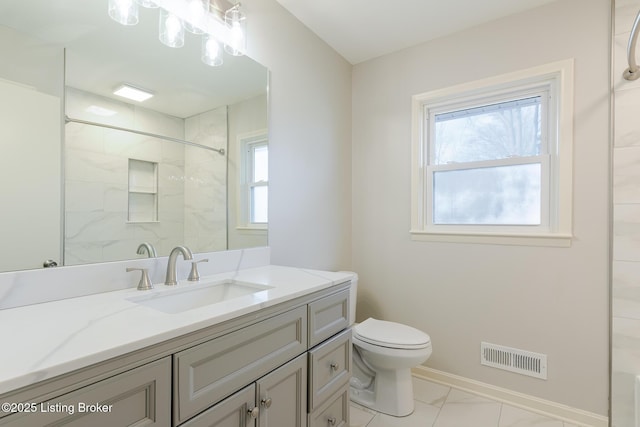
276	355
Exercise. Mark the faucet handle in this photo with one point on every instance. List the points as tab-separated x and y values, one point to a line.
144	284
194	276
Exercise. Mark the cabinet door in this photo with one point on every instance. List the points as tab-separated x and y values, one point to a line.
282	395
209	372
140	397
237	410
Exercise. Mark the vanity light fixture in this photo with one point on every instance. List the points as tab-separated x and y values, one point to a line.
133	93
123	11
220	22
196	12
211	51
236	21
171	29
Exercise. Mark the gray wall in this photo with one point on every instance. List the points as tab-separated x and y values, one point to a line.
547	300
309	140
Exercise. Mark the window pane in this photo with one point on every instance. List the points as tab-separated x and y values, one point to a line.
259	204
490	132
503	195
261	163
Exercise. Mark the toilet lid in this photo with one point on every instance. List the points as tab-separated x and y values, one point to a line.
390	334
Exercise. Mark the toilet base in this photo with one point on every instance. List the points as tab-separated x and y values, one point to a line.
391	393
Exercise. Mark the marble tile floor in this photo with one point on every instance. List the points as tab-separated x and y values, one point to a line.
437	405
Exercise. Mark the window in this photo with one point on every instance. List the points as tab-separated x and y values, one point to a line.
255	180
492	160
258	182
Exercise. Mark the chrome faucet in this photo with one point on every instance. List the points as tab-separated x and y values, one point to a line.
172	274
148	248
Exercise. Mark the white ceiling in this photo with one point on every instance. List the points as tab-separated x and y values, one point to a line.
363	29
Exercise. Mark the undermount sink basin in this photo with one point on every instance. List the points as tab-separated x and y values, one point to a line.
198	295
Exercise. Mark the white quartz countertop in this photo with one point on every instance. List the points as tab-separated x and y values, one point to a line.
42	341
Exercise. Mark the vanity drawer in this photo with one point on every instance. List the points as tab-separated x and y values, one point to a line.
333	413
140	397
329	368
207	373
328	316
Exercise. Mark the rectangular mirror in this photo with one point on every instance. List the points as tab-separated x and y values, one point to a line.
89	176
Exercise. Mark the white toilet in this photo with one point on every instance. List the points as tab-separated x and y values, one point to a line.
383	355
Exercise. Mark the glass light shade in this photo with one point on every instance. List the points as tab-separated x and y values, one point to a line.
149	4
211	51
196	13
123	11
237	23
171	29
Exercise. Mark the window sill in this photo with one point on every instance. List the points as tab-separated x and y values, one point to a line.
252	230
559	240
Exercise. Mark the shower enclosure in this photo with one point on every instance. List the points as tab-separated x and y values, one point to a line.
625	355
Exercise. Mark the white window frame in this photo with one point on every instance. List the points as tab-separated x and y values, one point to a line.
247	144
554	82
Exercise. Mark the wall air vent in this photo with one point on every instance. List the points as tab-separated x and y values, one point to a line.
514	360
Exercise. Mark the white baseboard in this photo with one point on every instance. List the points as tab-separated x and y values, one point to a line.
530	403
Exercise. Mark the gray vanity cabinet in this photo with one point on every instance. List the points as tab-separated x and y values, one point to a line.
278	399
289	393
139	397
282	366
207	372
329	361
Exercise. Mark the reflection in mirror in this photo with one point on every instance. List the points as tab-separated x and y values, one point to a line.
123	188
172	170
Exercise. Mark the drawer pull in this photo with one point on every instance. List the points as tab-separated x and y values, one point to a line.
254	413
332	421
266	402
334	366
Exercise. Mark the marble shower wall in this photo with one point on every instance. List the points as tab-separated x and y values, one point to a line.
96	182
626	225
206	173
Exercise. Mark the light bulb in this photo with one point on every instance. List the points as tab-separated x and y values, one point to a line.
237	37
171	29
211	52
123	11
196	13
236	22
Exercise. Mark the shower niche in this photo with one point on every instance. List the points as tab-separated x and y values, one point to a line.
143	191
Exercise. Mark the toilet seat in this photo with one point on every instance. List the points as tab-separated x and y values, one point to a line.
391	335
